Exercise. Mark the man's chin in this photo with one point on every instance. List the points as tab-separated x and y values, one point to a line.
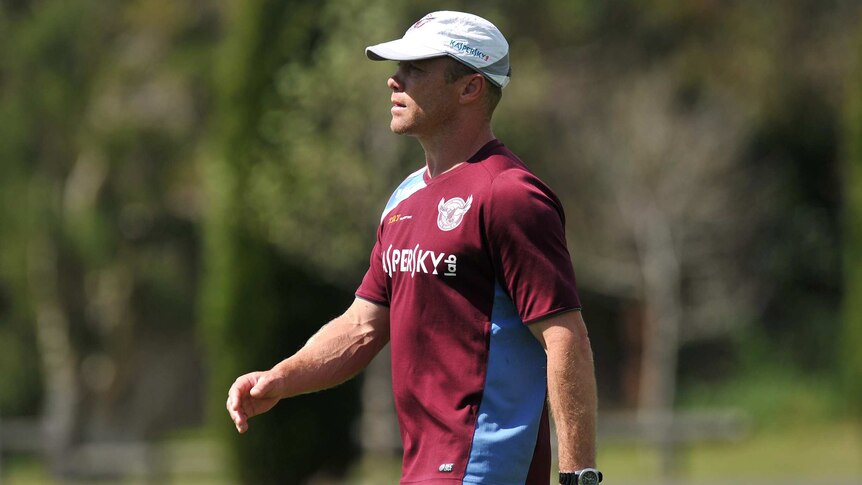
399	129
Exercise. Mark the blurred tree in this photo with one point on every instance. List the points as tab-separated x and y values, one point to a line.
46	63
20	379
665	184
294	184
681	138
852	224
99	115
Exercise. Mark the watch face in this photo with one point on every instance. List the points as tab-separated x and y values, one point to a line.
588	477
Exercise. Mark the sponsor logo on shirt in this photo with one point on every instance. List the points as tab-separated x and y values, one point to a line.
398	217
451	212
417	260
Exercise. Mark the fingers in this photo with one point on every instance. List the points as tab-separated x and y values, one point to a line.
251	395
237	415
234	403
261	387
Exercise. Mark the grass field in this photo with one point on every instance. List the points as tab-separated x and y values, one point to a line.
797	435
797	453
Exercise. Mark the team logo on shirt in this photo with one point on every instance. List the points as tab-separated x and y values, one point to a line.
451	212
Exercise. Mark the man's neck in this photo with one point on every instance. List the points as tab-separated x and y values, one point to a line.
447	151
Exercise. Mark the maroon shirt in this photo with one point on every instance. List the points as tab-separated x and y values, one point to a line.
464	260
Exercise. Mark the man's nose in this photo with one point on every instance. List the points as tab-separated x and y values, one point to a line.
394	84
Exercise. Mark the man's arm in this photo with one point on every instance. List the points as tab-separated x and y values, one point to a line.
337	352
571	388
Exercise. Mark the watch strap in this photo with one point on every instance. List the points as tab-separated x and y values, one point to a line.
568	478
571	478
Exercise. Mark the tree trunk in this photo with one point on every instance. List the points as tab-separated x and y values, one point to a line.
661	278
56	352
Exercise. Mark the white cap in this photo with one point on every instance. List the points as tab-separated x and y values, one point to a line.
464	37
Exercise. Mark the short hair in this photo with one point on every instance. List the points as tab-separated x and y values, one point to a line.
493	93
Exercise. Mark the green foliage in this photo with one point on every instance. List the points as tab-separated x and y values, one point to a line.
95	136
45	59
326	159
20	382
286	159
769	387
852	221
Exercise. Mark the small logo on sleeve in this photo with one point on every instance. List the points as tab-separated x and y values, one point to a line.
451	212
447	467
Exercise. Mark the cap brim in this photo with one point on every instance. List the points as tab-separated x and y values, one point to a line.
401	50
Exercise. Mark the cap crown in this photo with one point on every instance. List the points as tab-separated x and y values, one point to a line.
465	37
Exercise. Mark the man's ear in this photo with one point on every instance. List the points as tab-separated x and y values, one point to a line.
473	88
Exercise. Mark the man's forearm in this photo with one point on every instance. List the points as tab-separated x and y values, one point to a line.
337	352
572	395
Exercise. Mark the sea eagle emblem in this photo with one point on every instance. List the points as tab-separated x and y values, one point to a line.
451	212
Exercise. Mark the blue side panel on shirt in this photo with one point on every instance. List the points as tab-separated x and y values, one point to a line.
512	401
413	183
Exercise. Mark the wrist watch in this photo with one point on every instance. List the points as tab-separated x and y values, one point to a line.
587	476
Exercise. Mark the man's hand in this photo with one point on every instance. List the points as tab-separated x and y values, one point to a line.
252	394
337	352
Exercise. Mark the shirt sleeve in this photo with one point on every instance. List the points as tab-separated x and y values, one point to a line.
525	228
373	287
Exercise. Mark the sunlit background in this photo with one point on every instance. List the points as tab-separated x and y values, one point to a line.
189	189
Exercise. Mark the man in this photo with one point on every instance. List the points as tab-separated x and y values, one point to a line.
470	280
